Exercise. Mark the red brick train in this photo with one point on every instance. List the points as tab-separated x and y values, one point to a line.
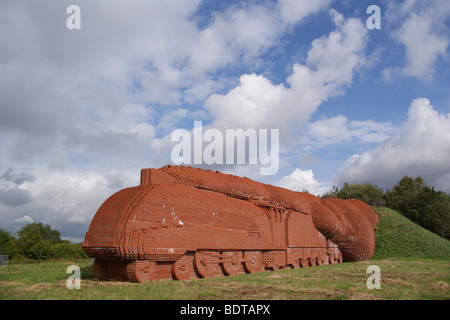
183	223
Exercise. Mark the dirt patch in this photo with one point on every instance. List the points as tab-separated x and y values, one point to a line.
441	286
236	290
95	282
397	282
11	283
39	287
277	276
363	296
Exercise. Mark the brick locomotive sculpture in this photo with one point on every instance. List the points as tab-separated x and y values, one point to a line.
184	223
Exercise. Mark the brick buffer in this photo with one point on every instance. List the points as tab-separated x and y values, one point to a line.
184	223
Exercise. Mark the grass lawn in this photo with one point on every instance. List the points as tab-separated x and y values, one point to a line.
400	279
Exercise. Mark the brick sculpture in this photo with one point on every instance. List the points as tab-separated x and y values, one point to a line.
186	223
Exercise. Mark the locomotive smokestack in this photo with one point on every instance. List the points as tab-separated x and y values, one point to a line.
146	177
154	176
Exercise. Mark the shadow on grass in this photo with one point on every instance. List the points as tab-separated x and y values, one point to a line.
87	273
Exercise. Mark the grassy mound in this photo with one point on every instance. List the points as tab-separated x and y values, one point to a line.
398	237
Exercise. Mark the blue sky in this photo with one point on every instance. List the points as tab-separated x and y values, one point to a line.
82	111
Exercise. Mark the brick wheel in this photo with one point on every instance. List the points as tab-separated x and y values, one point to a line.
107	270
253	261
206	264
232	263
183	268
331	259
141	270
320	261
100	270
304	263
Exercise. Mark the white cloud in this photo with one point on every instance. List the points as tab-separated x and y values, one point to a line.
170	119
98	88
423	47
67	200
294	10
303	180
423	33
422	148
24	220
252	104
240	34
338	129
331	64
244	31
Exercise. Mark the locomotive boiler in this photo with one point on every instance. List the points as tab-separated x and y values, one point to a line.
186	223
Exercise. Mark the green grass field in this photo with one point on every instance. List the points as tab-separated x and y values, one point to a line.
414	264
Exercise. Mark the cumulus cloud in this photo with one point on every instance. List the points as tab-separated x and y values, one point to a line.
293	10
422	148
331	65
303	180
423	33
243	32
338	129
67	200
24	220
423	47
102	88
258	103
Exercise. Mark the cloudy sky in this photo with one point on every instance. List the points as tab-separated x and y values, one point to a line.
83	110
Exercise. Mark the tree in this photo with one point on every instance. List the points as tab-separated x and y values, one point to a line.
7	243
44	232
437	215
332	193
36	239
421	204
368	193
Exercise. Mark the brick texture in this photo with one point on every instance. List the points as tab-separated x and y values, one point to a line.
186	223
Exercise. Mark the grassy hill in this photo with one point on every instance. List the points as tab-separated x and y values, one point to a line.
398	237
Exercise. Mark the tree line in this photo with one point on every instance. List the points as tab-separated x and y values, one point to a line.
411	197
38	241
